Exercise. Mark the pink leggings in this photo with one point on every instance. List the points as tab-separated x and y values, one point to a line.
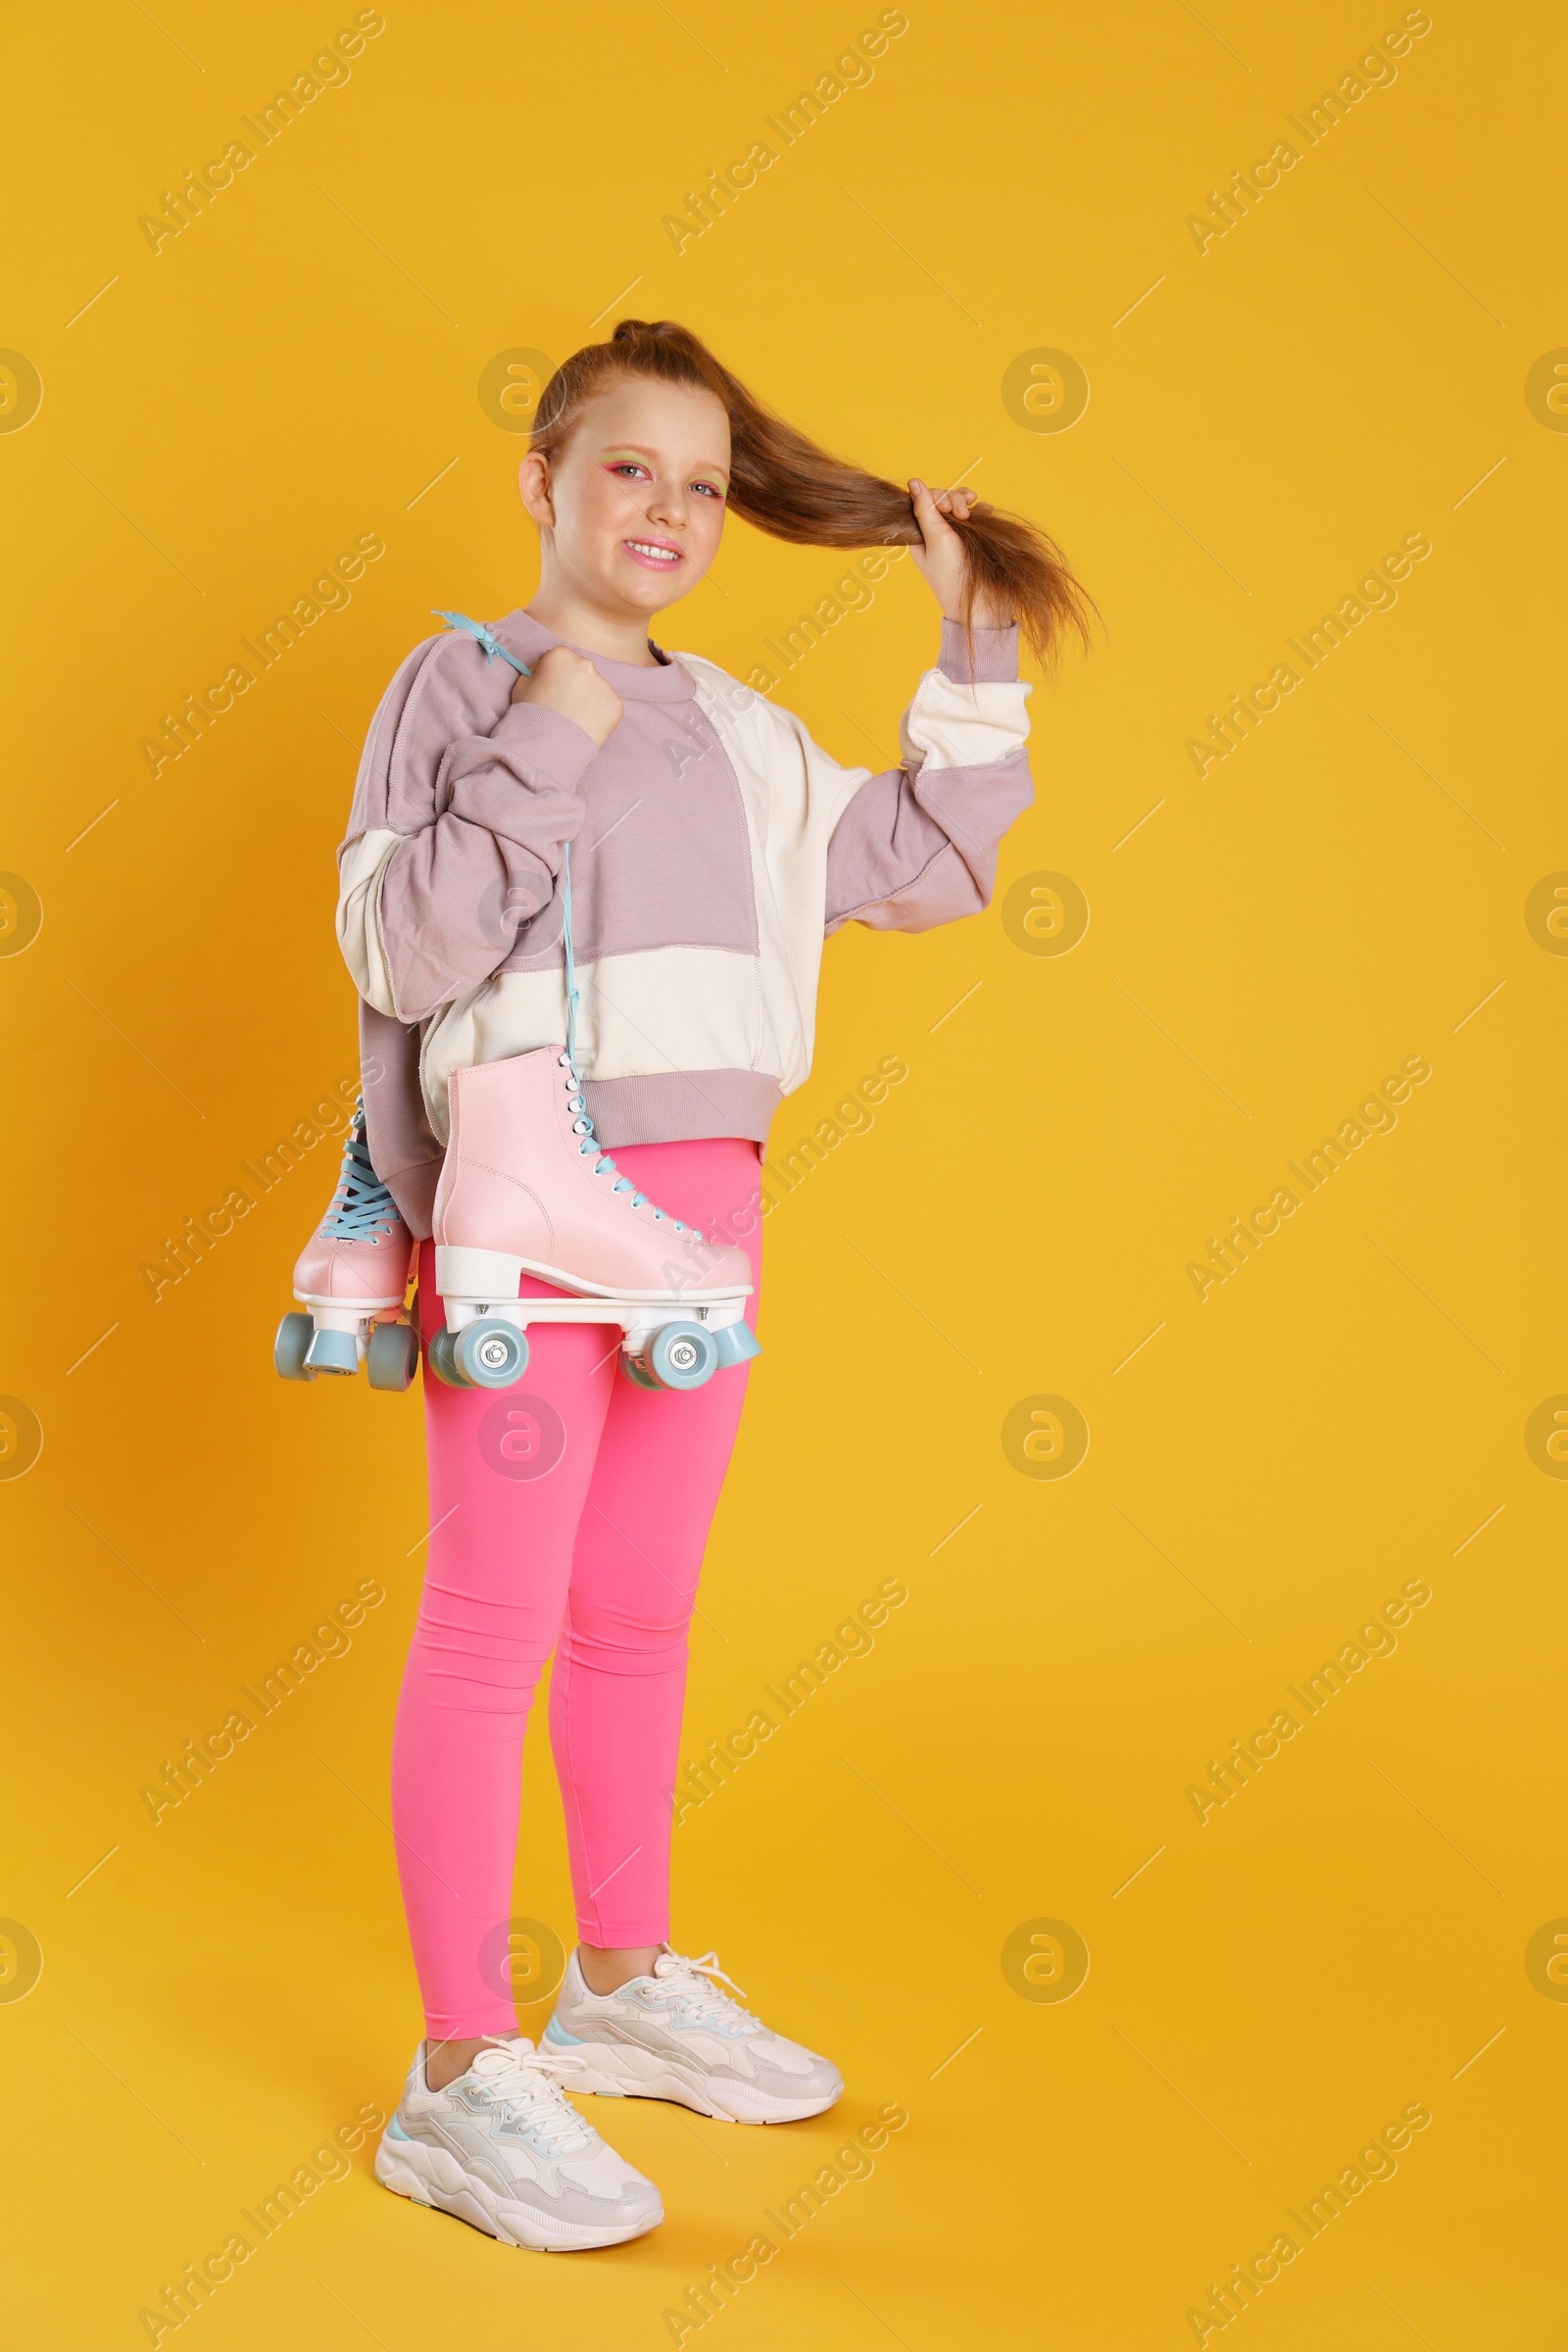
568	1513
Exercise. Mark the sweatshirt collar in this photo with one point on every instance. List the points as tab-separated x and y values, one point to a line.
670	682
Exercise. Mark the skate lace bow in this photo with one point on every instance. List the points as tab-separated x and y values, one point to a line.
525	2083
698	1993
486	637
582	1124
361	1206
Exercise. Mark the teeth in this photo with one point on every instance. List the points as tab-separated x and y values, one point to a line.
665	555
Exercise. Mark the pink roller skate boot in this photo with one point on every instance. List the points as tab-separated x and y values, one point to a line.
352	1276
526	1189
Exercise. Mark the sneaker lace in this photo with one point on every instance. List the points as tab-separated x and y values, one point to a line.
582	1124
361	1207
696	1987
524	2082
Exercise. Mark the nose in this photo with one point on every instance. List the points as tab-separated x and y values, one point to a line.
668	505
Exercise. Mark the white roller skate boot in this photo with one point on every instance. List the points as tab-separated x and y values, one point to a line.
352	1277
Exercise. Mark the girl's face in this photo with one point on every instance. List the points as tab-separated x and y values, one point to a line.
631	509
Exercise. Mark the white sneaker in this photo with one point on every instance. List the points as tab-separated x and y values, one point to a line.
503	2149
675	2035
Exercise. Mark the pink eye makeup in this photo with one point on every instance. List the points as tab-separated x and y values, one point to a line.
635	468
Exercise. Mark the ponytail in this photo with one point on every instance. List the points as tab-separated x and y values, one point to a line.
785	484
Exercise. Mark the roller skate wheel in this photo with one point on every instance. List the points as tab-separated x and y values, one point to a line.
636	1370
393	1353
683	1355
294	1336
334	1352
441	1363
490	1354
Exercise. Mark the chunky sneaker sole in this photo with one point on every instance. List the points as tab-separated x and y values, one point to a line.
676	2034
433	2176
621	2071
502	2148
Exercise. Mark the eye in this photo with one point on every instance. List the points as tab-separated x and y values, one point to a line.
629	466
709	490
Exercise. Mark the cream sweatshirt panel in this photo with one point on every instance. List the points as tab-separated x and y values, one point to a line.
949	725
359	916
794	796
654	1014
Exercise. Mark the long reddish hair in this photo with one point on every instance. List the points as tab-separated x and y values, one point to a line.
786	484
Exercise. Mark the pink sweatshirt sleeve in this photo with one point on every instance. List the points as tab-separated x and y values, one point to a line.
481	793
917	845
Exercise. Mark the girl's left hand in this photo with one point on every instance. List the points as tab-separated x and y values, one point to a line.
941	560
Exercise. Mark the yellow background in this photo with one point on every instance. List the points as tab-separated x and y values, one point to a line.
1339	371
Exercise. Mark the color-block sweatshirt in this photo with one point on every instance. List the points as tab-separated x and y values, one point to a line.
714	847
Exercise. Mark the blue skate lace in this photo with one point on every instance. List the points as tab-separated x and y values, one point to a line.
361	1206
604	1165
485	637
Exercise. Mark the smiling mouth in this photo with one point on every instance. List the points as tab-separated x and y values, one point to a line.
650	552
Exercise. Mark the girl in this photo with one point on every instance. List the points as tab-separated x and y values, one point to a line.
713	847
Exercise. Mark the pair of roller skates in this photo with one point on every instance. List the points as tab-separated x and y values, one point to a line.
525	1189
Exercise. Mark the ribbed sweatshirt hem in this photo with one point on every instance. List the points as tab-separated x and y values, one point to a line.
682	1107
